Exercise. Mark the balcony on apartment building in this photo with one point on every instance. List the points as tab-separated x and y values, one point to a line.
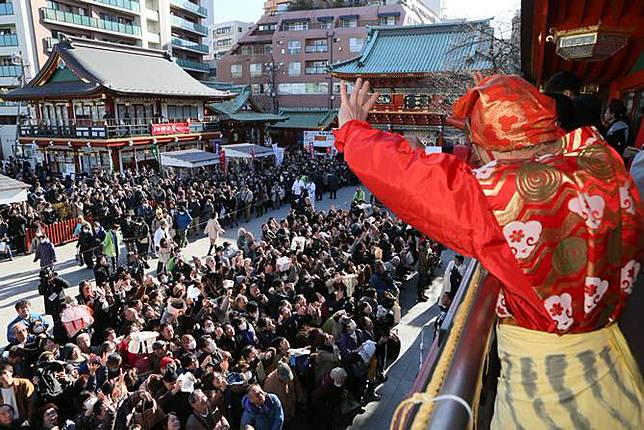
6	8
127	6
8	40
190	7
10	71
183	23
194	65
189	45
90	23
316	67
349	21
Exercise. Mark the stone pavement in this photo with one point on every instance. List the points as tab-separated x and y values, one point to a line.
19	278
416	332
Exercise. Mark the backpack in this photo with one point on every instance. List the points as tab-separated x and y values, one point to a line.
50	387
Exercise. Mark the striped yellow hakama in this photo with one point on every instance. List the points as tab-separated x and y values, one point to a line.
575	381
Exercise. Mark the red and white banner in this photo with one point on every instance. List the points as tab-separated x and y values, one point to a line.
170	128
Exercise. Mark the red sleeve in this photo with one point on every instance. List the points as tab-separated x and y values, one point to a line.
439	195
436	193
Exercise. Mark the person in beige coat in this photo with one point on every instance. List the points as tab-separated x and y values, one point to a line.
283	384
213	230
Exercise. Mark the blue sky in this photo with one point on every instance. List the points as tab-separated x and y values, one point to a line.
251	10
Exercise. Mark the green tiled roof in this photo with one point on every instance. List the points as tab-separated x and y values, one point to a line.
233	110
307	119
223	86
422	49
247	116
234	105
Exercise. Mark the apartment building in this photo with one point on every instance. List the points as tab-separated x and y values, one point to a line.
284	57
18	64
172	25
224	35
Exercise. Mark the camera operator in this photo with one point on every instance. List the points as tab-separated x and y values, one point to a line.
52	288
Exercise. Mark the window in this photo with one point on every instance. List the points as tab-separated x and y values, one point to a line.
388	20
295	69
326	23
240	30
181	112
224	42
315	67
336	87
224	30
296	26
316	88
236	70
294	47
255	89
246	50
356	44
256	69
317	45
290	89
268	48
349	22
267	27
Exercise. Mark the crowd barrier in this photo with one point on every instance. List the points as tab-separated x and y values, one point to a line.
58	233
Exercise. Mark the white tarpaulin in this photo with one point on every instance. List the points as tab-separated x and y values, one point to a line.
12	191
189	158
245	150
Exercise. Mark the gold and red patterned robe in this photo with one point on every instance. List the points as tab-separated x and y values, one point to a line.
563	233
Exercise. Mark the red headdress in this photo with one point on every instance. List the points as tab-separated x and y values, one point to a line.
507	113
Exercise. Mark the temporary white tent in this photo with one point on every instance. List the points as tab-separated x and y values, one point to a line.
245	150
12	191
189	158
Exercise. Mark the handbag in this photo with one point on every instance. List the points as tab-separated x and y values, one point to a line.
347	403
79	258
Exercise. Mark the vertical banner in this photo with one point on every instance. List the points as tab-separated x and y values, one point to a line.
216	146
312	149
222	161
279	154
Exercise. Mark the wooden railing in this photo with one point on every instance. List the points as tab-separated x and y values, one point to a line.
451	375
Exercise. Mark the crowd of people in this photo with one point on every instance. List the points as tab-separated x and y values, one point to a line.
292	329
136	201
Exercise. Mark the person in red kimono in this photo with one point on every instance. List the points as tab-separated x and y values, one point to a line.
554	216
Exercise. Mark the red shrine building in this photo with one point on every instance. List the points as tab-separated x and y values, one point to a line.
98	105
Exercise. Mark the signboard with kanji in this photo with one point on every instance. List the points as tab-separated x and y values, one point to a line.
170	128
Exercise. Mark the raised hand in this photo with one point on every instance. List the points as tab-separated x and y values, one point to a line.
358	105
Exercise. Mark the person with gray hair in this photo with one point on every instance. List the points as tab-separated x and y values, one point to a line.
204	417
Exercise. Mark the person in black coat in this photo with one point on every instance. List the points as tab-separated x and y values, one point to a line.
86	245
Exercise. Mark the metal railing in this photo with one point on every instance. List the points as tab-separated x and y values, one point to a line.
108	129
177	21
122	4
455	363
188	44
9	40
50	42
193	64
94	23
315	70
190	6
6	8
10	71
309	49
